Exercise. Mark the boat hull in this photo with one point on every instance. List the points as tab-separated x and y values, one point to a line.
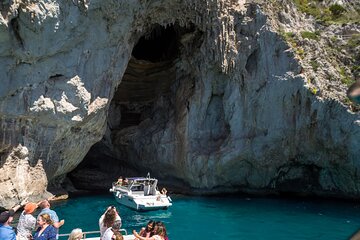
143	203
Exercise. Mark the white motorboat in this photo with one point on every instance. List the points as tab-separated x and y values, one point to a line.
141	194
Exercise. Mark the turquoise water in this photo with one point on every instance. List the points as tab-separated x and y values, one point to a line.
197	218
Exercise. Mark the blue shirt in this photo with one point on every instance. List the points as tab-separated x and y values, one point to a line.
48	234
7	233
52	214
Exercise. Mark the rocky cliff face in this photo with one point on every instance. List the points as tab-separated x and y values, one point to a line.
206	95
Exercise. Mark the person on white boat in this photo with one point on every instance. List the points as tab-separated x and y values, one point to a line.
109	233
27	222
159	223
148	230
119	181
46	230
160	234
163	191
45	206
6	231
76	234
118	236
107	219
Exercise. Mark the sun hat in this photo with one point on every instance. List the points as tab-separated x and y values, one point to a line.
30	207
4	216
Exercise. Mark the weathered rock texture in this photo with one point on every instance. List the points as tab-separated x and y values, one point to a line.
213	99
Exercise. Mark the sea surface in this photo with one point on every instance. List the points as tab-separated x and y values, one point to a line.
201	218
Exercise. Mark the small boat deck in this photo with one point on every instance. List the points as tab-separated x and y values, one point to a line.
140	194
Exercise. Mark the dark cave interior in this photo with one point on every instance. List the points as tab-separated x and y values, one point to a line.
162	44
150	73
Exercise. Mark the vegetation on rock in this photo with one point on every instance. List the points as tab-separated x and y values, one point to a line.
328	14
327	43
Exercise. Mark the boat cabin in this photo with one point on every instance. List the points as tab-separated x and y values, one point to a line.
146	185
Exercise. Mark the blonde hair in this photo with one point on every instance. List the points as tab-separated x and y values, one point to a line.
46	218
76	234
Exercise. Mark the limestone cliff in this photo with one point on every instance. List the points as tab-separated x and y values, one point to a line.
207	95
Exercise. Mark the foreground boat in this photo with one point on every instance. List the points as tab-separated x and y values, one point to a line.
89	235
140	194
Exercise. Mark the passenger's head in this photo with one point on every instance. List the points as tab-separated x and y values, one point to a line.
76	234
116	226
110	217
160	230
30	207
44	219
44	204
117	236
6	217
160	225
150	226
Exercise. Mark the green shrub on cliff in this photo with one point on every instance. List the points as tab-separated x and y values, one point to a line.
354	41
337	10
345	78
310	35
315	65
334	13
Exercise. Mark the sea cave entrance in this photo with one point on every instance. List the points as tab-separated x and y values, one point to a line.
150	75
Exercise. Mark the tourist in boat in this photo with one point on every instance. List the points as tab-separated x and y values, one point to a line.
46	230
159	223
7	232
148	230
45	206
125	182
108	219
26	222
119	181
76	234
163	191
160	234
110	232
118	236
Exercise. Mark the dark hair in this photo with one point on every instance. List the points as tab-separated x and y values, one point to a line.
152	224
147	229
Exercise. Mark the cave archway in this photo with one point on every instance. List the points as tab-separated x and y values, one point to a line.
150	73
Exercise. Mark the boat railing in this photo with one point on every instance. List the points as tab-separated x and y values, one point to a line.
61	236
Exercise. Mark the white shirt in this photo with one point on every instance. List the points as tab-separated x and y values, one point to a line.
108	234
26	225
102	227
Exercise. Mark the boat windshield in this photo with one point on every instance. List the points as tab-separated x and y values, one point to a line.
137	187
